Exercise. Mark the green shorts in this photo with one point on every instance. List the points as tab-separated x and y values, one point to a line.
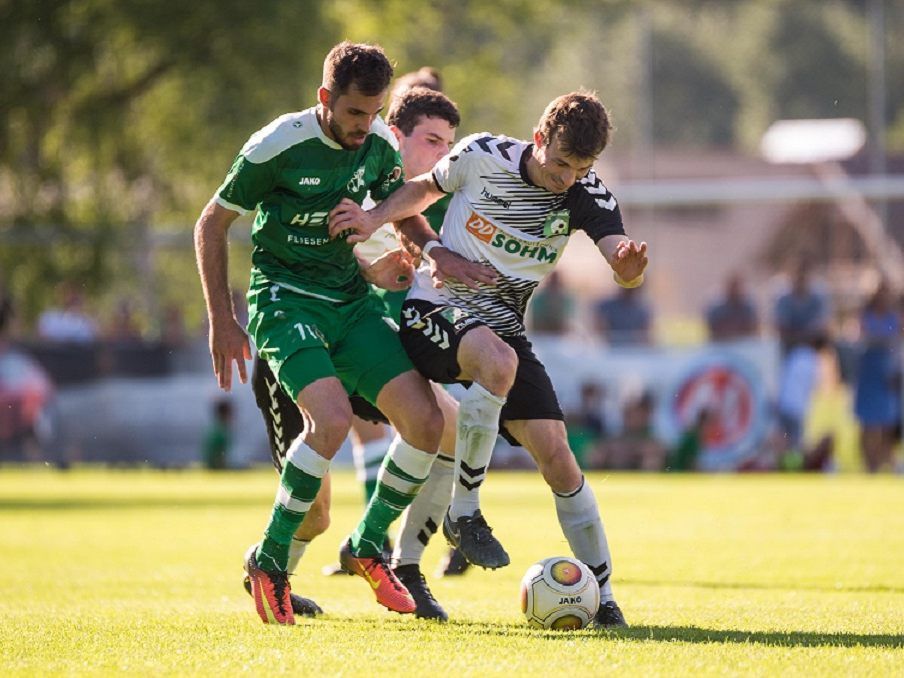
393	301
305	339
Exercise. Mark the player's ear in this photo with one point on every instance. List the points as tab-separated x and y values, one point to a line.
397	132
323	96
539	141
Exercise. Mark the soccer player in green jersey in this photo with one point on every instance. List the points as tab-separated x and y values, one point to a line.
311	315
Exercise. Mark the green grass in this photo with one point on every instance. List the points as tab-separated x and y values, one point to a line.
139	572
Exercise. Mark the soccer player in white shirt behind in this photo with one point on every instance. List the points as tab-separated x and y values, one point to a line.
514	206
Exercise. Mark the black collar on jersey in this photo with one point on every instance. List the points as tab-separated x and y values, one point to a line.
522	166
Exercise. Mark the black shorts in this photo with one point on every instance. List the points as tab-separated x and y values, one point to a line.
283	418
431	335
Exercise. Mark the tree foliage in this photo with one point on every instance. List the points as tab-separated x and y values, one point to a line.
119	118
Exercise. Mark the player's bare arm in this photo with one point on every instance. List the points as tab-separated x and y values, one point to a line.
627	258
228	341
444	263
412	198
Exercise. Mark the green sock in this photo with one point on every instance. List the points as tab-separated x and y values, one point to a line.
404	470
298	486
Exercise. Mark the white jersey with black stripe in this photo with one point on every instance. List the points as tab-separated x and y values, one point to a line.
498	217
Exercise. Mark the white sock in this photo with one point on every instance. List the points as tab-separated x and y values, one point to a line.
369	456
296	551
422	519
579	517
478	426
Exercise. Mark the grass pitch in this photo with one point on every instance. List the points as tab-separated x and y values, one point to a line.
140	572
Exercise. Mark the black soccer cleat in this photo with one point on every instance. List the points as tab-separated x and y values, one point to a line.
413	580
474	538
609	616
304	607
453	565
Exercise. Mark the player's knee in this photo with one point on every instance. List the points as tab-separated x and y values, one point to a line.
329	429
498	369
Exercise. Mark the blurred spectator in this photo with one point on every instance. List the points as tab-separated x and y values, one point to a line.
684	456
218	438
877	403
173	332
586	425
123	327
802	313
624	319
69	322
636	448
6	315
797	381
551	308
734	316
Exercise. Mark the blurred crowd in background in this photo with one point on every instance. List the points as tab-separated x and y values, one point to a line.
70	343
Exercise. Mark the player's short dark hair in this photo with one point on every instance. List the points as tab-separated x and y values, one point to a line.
365	66
425	76
579	121
406	111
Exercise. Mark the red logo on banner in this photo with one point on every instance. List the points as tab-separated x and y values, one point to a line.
728	399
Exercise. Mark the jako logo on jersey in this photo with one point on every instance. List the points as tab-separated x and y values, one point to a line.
523	248
480	228
309	219
309	181
356	183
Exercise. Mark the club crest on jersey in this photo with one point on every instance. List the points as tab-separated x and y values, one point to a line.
356	183
393	177
556	224
480	228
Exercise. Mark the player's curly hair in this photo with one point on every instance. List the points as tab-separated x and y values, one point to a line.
365	66
579	121
407	109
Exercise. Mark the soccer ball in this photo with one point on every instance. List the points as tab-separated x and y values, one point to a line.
559	593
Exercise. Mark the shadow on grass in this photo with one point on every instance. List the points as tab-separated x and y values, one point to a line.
658	634
117	503
776	586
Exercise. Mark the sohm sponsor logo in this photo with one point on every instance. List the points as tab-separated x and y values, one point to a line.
523	248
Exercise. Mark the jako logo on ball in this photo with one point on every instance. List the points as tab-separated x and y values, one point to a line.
559	593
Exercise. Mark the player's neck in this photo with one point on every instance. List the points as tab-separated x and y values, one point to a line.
324	124
533	168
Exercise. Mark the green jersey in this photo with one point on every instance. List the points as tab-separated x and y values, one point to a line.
294	175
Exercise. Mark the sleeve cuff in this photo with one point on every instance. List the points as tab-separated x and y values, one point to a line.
228	205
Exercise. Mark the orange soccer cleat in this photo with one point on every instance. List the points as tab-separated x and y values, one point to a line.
271	591
390	592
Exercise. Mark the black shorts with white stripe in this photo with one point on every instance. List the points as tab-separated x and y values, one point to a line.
431	335
282	417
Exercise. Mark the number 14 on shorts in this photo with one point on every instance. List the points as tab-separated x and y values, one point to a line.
306	330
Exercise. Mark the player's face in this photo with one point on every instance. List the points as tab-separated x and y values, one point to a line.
557	171
429	141
348	117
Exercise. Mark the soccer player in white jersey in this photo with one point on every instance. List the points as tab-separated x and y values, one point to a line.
514	206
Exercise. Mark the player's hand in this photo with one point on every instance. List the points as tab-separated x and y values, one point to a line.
349	217
393	271
447	265
229	342
630	260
